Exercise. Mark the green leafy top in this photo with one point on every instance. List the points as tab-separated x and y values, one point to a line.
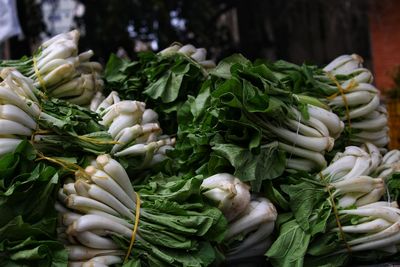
162	81
28	219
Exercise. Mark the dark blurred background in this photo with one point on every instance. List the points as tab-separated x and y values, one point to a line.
314	31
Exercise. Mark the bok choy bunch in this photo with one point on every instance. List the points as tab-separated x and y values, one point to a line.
59	71
52	125
358	105
245	119
337	211
346	87
99	210
135	129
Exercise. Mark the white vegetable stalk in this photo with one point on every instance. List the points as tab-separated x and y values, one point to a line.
84	204
362	100
260	210
101	211
111	99
142	149
77	253
364	184
383	212
341	61
231	194
196	54
301	164
123	107
64	73
117	172
316	157
255	225
317	144
96	100
330	119
103	180
8	145
14	113
373	226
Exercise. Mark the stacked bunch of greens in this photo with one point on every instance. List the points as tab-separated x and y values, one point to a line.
347	88
161	80
245	121
28	221
337	212
134	128
174	226
59	71
358	105
244	131
52	125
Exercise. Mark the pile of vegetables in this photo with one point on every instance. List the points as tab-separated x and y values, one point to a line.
173	227
174	160
59	71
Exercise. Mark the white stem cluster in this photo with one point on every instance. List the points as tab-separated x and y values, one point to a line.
66	74
196	54
253	228
306	140
231	195
378	227
367	117
251	221
98	203
350	175
135	128
390	164
19	109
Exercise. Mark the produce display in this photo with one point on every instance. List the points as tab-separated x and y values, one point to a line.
176	160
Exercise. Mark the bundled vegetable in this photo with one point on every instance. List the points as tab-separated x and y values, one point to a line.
357	101
345	86
168	225
323	206
245	119
162	80
134	128
59	71
25	113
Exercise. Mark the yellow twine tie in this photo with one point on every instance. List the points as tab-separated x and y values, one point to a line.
343	92
135	227
38	75
336	213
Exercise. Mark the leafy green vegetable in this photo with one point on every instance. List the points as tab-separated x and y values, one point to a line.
177	228
28	219
223	128
162	81
393	186
290	247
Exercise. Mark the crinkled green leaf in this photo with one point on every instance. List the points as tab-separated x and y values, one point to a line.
290	247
